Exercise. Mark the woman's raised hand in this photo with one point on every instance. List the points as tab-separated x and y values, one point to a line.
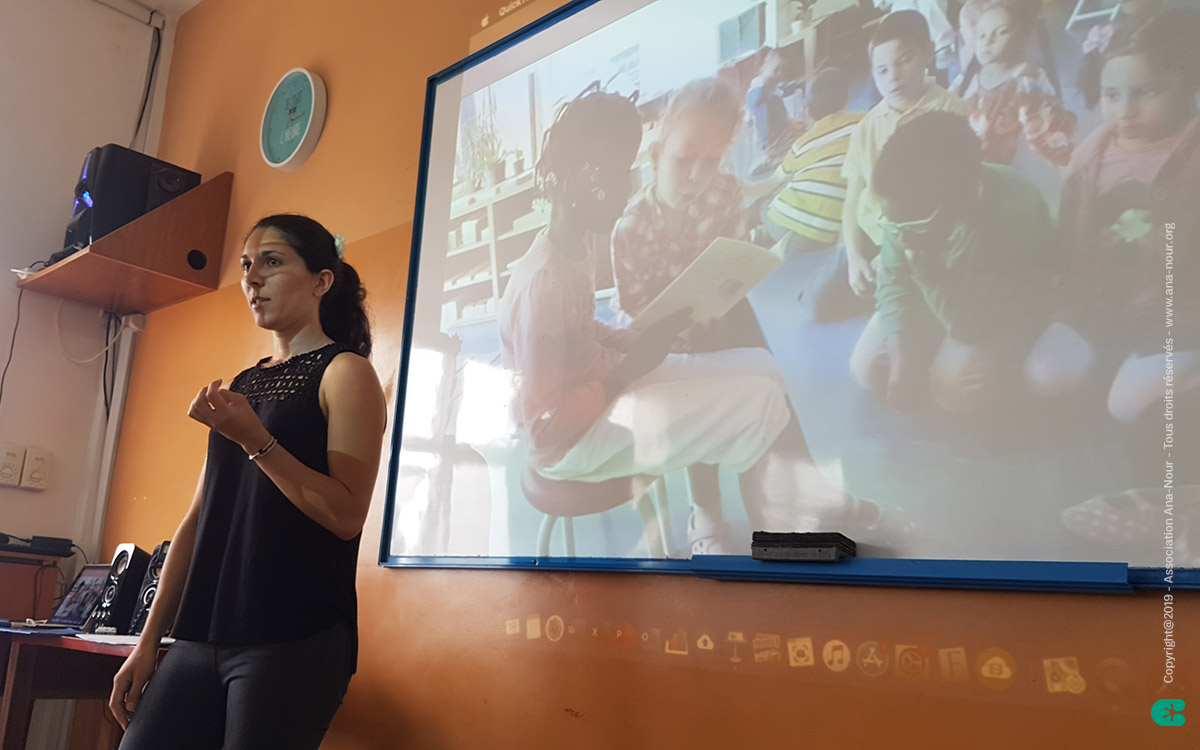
231	415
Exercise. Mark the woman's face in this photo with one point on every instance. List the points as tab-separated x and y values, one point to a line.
689	158
281	291
995	37
1144	105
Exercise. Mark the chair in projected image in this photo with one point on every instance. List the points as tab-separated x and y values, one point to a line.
567	500
1086	11
510	477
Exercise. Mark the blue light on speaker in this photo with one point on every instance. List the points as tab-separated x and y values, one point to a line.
87	198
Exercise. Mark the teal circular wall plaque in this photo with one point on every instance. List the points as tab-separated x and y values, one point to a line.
293	119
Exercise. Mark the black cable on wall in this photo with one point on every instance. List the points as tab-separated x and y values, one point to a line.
150	76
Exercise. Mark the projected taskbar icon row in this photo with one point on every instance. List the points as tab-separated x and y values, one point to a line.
993	668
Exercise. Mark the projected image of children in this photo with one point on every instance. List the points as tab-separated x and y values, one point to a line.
973	337
597	403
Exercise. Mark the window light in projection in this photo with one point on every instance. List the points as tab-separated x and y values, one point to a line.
485	408
422	405
484	424
415	480
426	412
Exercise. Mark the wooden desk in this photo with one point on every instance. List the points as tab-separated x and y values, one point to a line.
56	667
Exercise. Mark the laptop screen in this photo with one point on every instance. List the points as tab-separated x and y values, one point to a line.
76	607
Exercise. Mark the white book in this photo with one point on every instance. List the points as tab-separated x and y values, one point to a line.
714	282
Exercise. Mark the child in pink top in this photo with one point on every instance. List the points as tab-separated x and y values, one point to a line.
1132	181
1130	216
566	359
570	366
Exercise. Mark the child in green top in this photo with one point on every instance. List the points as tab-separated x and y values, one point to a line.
965	271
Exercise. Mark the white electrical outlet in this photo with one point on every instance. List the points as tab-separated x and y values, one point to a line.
36	473
12	457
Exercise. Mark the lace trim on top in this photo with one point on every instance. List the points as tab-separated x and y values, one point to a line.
295	376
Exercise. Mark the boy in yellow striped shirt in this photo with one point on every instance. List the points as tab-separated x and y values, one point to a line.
809	208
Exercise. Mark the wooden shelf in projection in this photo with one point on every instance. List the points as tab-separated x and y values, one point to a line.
150	262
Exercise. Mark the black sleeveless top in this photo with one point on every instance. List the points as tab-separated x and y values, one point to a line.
262	571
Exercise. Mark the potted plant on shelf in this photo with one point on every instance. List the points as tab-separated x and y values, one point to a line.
486	154
801	14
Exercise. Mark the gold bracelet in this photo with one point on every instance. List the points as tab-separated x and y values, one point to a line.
266	449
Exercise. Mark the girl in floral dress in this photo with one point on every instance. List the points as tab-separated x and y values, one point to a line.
1011	97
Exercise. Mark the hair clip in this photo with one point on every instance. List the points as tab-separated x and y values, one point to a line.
339	245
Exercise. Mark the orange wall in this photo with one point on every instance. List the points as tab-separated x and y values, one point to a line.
437	668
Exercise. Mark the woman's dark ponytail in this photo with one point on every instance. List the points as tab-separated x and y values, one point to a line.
343	308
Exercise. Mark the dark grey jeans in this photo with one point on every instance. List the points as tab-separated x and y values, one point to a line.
280	695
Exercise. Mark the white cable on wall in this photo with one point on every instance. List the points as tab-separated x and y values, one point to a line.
97	355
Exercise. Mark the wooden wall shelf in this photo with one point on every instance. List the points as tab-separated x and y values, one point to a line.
150	262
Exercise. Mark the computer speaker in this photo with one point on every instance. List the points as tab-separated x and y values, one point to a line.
117	185
141	609
115	610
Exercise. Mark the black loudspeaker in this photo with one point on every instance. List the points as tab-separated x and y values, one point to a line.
116	186
141	609
115	610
